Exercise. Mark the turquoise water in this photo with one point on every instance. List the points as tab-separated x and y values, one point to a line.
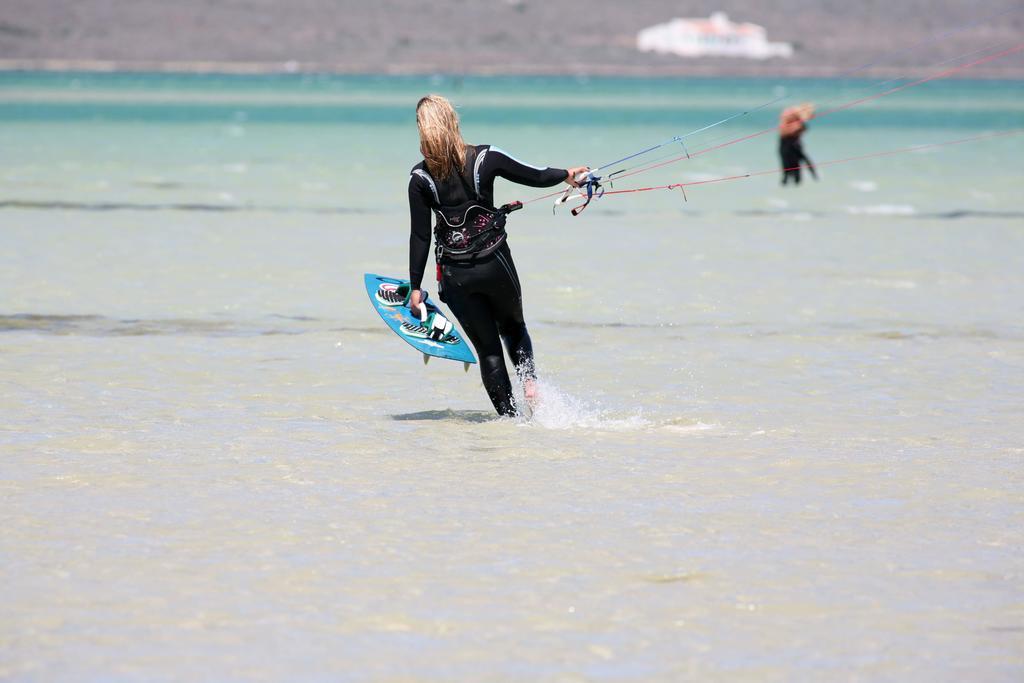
332	142
781	429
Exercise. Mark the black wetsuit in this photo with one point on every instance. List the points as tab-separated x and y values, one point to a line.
793	157
483	293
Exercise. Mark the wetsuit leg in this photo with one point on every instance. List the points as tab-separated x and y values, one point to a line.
797	159
507	302
487	301
806	160
789	151
782	160
467	290
473	311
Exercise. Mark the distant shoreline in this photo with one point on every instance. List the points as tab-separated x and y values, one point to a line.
399	69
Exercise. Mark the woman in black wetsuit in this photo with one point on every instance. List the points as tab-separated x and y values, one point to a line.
477	278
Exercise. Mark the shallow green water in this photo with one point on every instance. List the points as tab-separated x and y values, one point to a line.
781	435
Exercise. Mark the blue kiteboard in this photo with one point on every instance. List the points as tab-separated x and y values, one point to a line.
385	295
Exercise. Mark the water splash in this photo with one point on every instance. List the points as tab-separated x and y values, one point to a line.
557	409
554	408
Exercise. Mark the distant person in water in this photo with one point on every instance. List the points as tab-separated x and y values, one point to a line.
476	275
792	125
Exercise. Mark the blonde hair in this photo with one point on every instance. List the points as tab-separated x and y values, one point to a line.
805	111
440	138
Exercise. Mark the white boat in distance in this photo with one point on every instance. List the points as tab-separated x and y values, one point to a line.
715	36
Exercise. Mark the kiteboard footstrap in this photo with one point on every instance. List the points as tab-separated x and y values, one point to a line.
436	328
391	294
439	326
433	325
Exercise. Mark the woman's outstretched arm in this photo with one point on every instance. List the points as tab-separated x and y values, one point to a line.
503	165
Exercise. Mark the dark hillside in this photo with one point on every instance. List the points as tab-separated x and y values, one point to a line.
496	36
